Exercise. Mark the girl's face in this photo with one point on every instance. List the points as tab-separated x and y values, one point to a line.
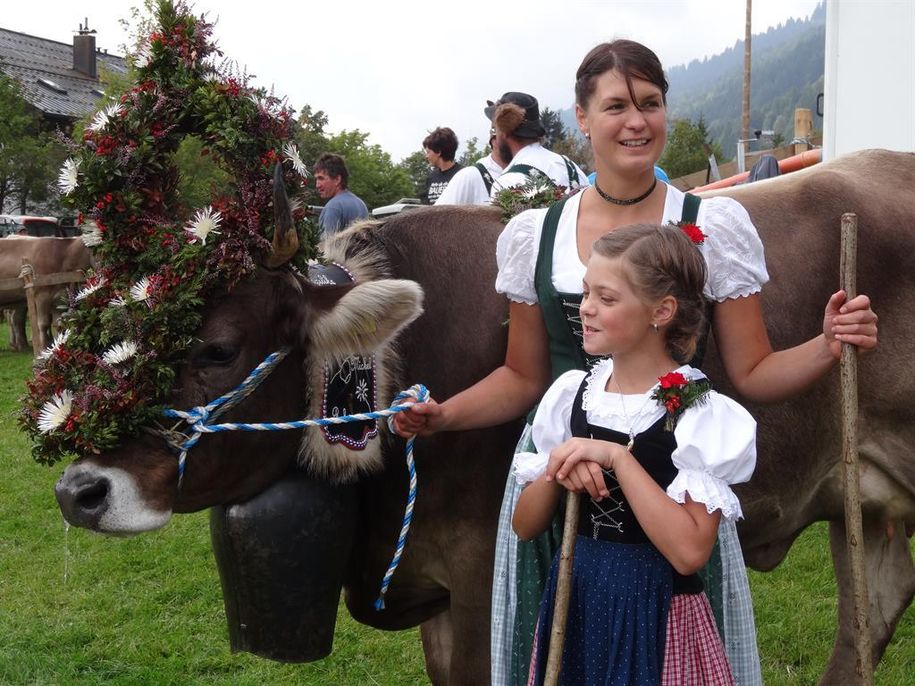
625	139
614	318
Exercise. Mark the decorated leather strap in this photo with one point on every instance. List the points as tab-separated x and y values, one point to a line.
349	386
487	177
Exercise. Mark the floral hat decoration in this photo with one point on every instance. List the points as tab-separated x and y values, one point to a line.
112	367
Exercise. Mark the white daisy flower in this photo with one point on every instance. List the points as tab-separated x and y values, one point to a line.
67	179
140	290
205	222
120	352
92	285
56	344
102	117
55	412
143	55
292	154
92	234
117	301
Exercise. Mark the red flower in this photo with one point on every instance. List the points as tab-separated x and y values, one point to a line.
694	233
672	403
672	380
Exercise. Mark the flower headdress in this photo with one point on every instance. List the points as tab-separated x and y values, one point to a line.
134	319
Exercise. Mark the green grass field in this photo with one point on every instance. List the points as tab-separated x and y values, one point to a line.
81	609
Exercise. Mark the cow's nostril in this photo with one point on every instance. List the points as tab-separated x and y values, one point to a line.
83	500
91	497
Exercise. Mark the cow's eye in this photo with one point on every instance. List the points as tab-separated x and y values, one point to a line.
215	354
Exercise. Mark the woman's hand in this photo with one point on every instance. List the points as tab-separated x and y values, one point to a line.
849	321
421	419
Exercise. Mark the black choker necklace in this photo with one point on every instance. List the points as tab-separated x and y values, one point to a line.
630	201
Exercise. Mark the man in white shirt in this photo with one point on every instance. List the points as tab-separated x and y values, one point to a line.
472	185
516	119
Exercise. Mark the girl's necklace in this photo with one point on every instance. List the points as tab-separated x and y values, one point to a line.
630	201
629	421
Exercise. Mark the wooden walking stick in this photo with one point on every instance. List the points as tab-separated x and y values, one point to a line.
853	526
563	590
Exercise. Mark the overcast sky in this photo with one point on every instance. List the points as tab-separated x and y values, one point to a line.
399	69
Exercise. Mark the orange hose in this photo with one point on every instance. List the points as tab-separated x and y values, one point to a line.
797	162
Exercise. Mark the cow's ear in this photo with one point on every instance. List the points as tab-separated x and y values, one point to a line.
365	316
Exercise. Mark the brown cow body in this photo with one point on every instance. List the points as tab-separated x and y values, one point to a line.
444	577
47	256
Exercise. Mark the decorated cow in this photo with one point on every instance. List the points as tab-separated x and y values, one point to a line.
217	318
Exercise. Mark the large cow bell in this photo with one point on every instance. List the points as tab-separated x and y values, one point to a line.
282	557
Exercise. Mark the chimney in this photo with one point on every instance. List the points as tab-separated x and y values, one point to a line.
84	51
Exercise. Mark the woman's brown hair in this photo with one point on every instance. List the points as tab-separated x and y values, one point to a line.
631	59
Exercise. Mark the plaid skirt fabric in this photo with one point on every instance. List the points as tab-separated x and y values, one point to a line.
694	654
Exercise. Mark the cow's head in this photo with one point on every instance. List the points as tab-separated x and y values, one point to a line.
135	487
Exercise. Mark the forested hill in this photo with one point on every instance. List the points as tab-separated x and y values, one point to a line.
787	72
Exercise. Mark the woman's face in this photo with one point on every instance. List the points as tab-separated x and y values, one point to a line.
625	139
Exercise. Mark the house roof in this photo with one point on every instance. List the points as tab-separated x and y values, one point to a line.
44	70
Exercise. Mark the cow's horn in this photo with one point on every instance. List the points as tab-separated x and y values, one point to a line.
285	238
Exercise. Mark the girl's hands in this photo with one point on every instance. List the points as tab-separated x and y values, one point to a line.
577	464
849	321
421	419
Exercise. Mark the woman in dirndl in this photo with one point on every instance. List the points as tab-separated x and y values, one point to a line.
620	92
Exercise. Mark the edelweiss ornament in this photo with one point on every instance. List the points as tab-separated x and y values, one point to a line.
55	412
91	234
104	117
67	179
291	152
56	344
140	290
205	222
120	352
92	285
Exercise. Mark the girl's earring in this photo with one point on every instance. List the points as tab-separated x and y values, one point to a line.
654	326
588	135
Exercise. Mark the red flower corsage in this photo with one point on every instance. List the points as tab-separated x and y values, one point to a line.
693	232
675	393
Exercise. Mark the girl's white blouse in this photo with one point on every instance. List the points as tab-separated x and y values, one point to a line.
716	440
733	252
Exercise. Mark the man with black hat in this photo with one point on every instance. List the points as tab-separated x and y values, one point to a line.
516	119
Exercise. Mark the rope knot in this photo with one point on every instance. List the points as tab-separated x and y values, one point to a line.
197	416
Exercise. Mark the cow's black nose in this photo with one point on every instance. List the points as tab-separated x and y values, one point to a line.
83	499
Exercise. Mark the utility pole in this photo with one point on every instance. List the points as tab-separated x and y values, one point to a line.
745	121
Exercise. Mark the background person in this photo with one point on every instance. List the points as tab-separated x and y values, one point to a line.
516	120
341	207
440	147
472	185
620	93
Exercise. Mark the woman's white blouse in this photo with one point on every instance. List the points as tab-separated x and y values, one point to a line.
716	440
733	252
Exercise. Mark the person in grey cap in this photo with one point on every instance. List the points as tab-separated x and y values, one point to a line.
516	120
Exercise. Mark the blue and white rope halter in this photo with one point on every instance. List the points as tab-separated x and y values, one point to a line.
199	417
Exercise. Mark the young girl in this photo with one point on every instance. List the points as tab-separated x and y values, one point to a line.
659	451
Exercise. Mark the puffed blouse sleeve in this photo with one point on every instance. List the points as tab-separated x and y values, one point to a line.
516	255
716	447
733	251
551	426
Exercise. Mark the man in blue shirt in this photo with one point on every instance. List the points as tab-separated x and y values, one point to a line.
341	207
